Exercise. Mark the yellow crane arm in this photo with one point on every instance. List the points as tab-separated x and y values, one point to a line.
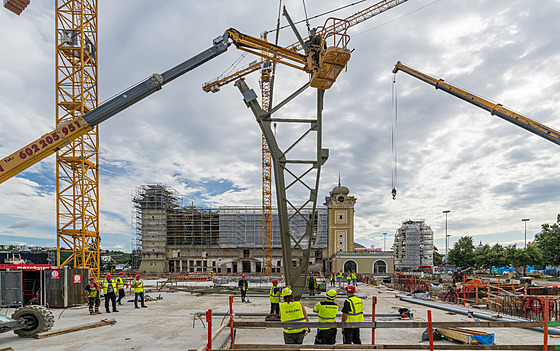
340	26
494	109
270	51
332	28
43	147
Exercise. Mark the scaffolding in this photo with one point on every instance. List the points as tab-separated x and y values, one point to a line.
162	227
151	206
414	245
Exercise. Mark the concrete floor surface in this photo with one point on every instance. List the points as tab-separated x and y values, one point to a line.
167	324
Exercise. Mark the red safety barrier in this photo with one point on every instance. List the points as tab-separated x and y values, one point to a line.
209	321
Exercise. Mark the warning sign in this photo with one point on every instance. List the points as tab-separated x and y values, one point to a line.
55	274
77	278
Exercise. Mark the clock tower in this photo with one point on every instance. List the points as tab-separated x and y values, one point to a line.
341	220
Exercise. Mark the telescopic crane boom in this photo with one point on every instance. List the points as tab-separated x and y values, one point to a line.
49	143
494	109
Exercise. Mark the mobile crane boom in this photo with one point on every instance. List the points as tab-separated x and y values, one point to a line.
494	109
51	142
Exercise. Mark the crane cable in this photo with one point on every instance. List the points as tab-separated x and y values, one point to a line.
306	18
394	121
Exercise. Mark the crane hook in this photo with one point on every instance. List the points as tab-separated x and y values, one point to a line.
394	193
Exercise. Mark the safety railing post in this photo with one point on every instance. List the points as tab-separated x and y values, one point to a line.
231	320
209	321
373	303
430	333
546	306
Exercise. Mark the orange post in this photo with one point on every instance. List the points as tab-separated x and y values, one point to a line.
499	302
430	333
373	303
231	320
546	307
464	288
209	321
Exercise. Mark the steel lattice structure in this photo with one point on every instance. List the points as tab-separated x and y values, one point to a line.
77	172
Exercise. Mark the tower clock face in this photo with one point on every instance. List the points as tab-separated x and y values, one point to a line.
340	199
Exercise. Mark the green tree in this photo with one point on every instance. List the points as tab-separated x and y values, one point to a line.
513	256
462	253
548	241
533	256
481	257
438	258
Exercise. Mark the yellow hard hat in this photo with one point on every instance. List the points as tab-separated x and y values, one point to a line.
287	292
331	294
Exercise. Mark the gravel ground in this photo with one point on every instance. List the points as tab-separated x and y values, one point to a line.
168	324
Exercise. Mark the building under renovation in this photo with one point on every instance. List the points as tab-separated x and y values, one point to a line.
175	238
414	245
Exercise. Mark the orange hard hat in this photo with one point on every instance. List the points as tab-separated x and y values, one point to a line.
138	276
108	275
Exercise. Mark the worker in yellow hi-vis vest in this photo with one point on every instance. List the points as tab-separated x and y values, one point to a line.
243	284
275	297
120	287
327	311
293	311
352	311
138	286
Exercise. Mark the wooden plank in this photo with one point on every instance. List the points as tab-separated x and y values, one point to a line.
216	333
461	334
398	324
7	349
75	328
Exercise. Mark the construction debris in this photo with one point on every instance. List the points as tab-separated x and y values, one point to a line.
16	6
467	336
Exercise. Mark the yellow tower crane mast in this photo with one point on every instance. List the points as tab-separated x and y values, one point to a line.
77	171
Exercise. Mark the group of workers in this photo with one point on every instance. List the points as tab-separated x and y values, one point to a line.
110	288
351	278
294	311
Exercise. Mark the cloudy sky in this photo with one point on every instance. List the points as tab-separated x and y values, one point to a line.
451	155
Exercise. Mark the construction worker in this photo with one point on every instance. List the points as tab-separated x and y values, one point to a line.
348	278
339	278
292	311
243	285
138	286
92	289
109	289
311	284
333	279
352	311
120	286
354	278
327	311
275	297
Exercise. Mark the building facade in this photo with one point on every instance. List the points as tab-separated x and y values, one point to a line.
413	245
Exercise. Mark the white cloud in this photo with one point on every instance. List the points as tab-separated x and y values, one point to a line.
451	155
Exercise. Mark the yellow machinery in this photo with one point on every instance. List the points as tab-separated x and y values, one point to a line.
494	109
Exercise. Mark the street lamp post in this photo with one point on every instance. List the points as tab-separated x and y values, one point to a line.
525	263
384	239
446	236
525	220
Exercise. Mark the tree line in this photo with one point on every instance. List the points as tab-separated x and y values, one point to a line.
545	250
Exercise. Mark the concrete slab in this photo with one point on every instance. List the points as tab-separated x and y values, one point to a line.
168	324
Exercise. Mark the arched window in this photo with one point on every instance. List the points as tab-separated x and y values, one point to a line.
350	265
379	266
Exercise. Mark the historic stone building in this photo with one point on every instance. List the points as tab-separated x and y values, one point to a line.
183	239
